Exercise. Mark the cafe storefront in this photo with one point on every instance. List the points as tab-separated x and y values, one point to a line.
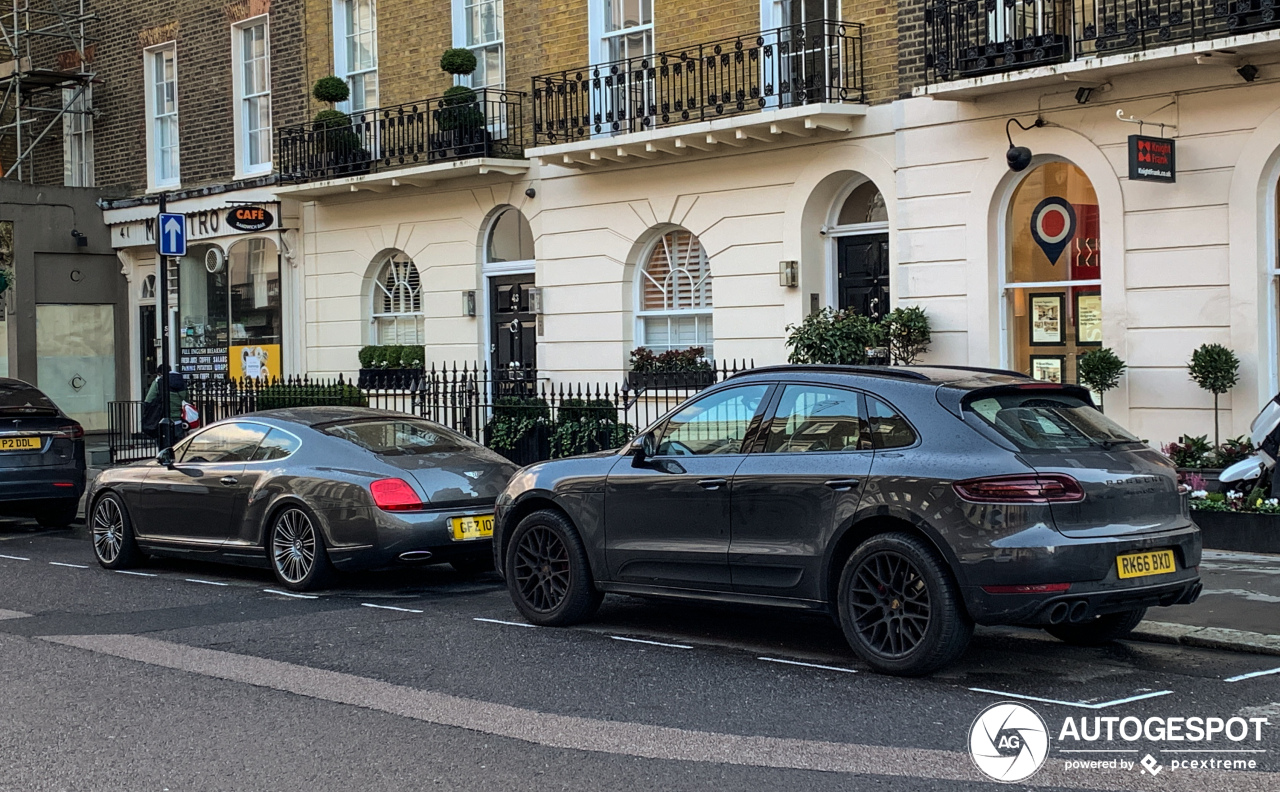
234	298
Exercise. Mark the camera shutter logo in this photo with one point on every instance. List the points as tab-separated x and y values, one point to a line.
1008	742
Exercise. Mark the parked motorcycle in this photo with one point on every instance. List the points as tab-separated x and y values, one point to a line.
1265	434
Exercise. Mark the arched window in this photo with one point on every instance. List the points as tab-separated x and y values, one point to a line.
1052	278
148	291
674	287
510	238
397	302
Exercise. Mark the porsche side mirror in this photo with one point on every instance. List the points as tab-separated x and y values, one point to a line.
165	457
646	447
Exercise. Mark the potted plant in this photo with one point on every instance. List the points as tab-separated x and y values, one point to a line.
460	120
336	142
520	429
1100	371
907	333
1217	370
834	337
675	368
1243	521
391	366
584	426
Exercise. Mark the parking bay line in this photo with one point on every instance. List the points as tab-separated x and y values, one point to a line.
131	572
291	594
808	665
1080	704
500	621
207	582
15	558
72	566
390	607
651	643
1252	674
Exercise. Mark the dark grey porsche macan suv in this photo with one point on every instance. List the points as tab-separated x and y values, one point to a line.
910	503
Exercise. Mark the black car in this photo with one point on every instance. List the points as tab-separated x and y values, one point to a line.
41	457
303	491
909	503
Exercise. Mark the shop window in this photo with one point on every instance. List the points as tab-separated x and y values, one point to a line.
510	238
253	284
397	302
675	294
1051	280
76	359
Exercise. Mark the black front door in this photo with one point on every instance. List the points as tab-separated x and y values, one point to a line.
513	331
148	362
863	274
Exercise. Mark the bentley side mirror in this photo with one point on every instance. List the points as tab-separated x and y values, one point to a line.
645	448
165	457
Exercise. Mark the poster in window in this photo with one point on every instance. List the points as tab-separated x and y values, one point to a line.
1046	319
1088	320
1047	368
258	362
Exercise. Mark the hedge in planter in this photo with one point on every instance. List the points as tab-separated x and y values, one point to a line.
587	426
284	395
514	418
675	368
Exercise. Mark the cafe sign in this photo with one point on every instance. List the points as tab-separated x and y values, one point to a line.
1152	159
249	218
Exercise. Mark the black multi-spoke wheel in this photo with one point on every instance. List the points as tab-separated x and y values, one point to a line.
899	607
112	533
547	571
297	550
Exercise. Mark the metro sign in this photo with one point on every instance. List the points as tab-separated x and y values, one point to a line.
1152	159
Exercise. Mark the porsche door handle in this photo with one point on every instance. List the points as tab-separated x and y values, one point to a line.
712	483
843	485
229	480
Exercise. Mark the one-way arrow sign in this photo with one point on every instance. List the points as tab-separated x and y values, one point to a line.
171	234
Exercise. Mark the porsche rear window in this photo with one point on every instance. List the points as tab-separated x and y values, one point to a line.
399	437
24	398
1038	420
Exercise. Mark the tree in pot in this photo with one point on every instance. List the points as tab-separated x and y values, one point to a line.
907	332
1217	370
1100	371
459	118
833	337
335	139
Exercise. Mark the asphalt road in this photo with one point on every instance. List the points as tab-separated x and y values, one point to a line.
194	676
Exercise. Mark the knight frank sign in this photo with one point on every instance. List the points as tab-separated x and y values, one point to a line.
1151	159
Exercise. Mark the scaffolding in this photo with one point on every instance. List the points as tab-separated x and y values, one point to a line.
47	77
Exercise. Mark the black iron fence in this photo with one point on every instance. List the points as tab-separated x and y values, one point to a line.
523	416
969	38
819	61
483	123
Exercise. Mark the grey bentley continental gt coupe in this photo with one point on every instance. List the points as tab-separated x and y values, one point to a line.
304	491
908	503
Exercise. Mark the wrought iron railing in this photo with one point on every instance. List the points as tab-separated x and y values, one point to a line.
969	38
820	61
418	133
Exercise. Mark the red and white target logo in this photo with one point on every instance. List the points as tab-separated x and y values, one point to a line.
1053	224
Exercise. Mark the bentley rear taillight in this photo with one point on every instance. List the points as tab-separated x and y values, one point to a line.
394	494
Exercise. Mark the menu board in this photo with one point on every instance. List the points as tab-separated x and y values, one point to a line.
203	362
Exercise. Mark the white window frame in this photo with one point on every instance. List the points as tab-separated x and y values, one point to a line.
77	137
460	9
340	36
597	18
154	181
239	113
701	314
379	290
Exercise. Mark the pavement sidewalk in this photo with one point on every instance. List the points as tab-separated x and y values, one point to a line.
1239	608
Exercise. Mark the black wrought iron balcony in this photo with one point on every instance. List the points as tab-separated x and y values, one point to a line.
970	38
434	130
820	61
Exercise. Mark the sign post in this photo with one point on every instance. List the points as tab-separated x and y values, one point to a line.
171	240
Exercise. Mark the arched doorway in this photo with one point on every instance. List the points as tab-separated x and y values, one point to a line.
510	271
1051	276
859	232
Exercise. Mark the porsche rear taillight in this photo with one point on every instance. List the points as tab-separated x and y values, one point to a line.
394	494
1037	488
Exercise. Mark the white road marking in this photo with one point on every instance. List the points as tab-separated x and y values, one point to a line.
139	574
1080	704
390	607
1253	596
291	594
500	621
72	566
15	558
8	614
1252	674
207	582
651	643
808	665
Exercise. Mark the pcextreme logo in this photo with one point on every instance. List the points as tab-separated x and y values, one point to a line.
1008	742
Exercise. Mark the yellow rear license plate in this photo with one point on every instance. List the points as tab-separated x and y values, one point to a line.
478	527
20	444
1157	562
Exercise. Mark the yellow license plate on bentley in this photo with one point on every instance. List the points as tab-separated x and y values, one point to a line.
478	527
20	444
1157	562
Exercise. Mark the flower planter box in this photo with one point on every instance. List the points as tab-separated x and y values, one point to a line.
533	446
1210	476
388	379
670	380
1242	531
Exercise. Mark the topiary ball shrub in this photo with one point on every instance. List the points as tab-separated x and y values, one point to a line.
459	95
331	119
458	61
330	89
